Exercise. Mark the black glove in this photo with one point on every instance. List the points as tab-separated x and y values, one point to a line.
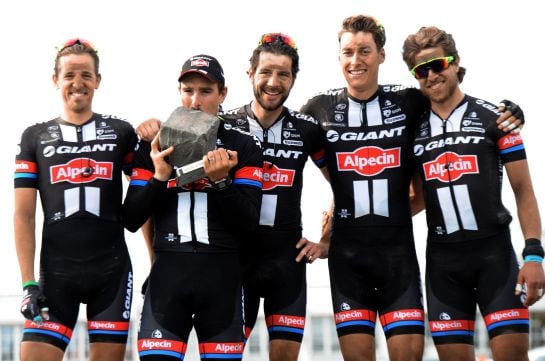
33	306
515	110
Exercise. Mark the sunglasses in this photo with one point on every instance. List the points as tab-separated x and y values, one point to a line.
273	37
76	41
437	65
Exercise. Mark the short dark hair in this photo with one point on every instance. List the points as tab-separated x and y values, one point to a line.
276	47
77	48
430	37
367	24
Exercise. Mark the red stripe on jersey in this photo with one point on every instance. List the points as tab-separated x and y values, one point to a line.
23	166
355	315
402	315
147	344
251	173
286	320
319	155
507	315
107	325
509	141
49	326
452	325
221	348
128	158
141	174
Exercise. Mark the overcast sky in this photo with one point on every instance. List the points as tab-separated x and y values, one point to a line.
142	45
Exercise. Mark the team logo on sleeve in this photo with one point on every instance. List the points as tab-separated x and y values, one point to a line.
273	176
76	171
369	161
450	166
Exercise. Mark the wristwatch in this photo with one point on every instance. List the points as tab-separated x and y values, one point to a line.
222	183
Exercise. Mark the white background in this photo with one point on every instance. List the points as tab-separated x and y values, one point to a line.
142	45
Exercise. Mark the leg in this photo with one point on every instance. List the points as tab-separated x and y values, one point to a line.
357	347
104	351
408	347
40	351
455	352
510	347
283	350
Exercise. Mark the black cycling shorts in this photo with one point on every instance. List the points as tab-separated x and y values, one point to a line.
186	290
375	271
460	276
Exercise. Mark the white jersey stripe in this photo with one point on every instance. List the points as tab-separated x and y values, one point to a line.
88	132
380	197
71	201
69	133
184	220
361	199
92	200
268	209
447	208
200	213
461	193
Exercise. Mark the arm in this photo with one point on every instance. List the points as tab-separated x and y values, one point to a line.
147	182
416	195
24	222
148	129
531	273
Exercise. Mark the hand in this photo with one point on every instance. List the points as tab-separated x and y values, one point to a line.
310	250
512	119
163	170
531	274
33	306
148	129
217	163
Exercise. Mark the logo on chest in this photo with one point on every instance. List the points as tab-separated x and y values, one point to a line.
274	176
450	166
369	161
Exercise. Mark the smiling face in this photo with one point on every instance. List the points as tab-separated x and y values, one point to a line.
360	60
443	86
272	81
77	80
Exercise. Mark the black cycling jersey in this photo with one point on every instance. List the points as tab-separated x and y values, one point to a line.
197	217
460	161
287	144
368	151
77	168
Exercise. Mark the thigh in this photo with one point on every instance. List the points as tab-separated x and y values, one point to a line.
285	299
59	283
166	319
218	318
503	311
109	300
450	294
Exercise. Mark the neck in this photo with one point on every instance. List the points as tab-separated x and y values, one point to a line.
75	117
362	94
445	108
265	117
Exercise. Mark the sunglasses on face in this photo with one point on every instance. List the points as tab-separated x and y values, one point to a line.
437	65
272	37
75	41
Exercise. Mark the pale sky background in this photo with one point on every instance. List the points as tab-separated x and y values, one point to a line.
142	45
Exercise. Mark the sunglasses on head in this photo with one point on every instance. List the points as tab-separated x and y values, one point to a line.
273	37
75	41
437	65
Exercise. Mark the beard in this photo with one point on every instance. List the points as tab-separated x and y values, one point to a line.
270	106
444	95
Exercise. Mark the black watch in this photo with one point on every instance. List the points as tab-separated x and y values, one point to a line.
222	183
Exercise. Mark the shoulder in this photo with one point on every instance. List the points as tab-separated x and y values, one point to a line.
301	117
237	137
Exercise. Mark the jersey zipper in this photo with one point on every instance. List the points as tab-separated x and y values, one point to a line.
192	219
